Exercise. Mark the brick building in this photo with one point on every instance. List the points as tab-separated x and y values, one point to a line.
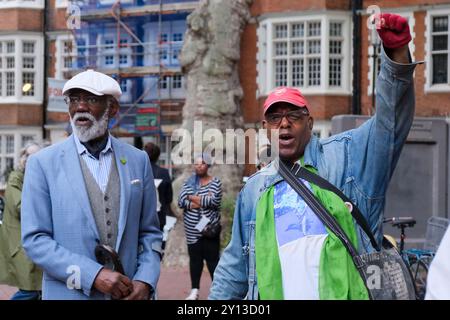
311	45
45	42
135	41
21	77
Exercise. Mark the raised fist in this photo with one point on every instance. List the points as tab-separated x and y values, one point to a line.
393	30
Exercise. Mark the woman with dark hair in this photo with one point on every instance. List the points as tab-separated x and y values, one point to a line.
200	198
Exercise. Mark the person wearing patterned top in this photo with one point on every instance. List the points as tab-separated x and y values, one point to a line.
200	198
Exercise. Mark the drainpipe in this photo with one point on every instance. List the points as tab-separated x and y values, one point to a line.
356	96
46	57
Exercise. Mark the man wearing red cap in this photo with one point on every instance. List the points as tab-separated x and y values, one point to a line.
279	248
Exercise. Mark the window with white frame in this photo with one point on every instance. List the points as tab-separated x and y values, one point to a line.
123	59
11	142
168	87
27	138
126	86
322	129
175	47
21	63
439	49
7	64
177	81
81	52
115	54
164	82
108	52
163	54
175	54
177	37
164	37
65	56
38	4
163	48
335	51
67	51
6	155
174	82
124	52
437	67
28	68
61	3
310	52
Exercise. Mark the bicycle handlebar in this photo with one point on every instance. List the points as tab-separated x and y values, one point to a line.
400	221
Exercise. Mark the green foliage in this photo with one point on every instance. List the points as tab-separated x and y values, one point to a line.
227	214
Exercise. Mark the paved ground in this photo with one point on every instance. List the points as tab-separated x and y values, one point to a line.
174	284
6	292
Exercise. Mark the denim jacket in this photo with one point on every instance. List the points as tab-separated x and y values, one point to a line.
360	162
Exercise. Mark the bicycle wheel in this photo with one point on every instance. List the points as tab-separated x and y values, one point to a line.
419	270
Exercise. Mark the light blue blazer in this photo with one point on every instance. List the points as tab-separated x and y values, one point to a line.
58	228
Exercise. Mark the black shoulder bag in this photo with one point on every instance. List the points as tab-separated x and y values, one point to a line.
383	271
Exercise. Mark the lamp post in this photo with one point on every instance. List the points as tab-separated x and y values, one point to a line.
376	42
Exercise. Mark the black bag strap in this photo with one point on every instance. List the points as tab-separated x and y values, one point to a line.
302	172
327	219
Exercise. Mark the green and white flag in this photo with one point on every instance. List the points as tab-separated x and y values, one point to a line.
296	256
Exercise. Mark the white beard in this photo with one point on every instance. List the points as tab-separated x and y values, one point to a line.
97	129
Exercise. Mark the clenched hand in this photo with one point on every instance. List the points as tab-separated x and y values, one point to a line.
113	283
393	30
141	291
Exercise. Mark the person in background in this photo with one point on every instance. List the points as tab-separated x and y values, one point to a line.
200	199
165	192
16	269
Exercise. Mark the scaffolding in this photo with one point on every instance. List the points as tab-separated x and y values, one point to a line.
137	42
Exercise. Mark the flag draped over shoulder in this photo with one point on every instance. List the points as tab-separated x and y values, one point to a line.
338	276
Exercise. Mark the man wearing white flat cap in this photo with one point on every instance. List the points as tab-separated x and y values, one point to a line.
92	190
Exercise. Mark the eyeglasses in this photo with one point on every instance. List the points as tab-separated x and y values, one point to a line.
292	116
91	101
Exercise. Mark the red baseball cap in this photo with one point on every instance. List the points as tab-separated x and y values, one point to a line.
286	94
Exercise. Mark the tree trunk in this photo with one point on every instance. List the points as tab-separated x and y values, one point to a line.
209	60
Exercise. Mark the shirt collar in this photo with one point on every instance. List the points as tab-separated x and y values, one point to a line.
81	149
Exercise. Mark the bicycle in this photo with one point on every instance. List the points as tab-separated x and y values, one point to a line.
419	260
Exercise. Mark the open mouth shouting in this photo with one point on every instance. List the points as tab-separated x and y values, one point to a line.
286	139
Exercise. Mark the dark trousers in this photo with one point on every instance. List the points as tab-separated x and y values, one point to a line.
162	219
203	249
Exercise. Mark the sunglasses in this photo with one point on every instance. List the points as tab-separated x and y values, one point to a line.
275	118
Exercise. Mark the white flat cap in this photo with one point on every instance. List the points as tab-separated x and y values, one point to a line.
95	82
